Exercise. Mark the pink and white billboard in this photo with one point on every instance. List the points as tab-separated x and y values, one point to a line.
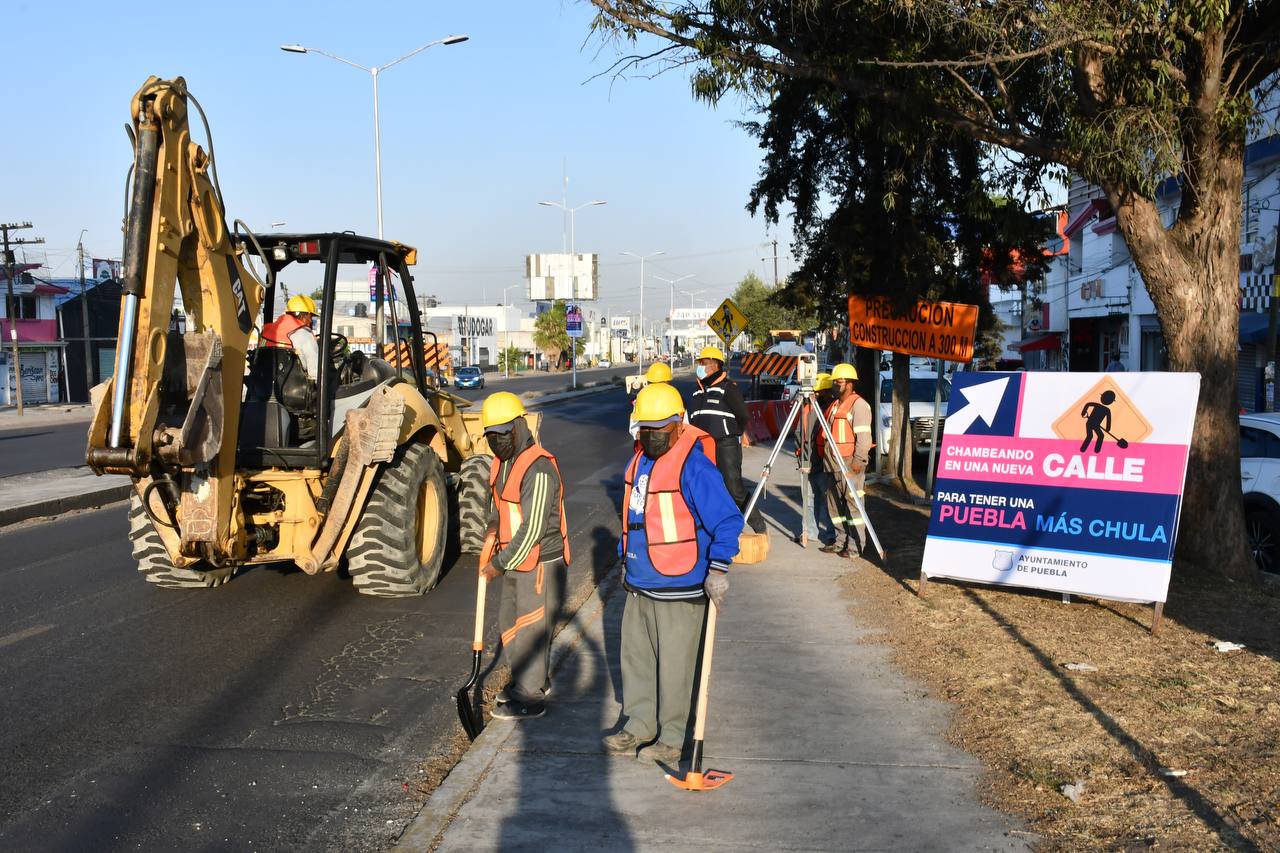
1070	482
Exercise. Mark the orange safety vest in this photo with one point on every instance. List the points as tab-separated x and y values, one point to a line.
277	334
507	500
671	532
841	430
704	438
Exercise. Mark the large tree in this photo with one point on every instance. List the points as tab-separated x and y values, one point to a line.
1125	95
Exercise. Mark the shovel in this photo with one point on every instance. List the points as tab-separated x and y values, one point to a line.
1121	443
695	779
472	722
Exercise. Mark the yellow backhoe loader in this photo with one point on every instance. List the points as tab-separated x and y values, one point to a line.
240	456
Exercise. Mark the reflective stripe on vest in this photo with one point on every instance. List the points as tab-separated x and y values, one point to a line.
507	501
838	417
671	532
277	334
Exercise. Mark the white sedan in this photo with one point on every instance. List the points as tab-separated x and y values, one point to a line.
1260	482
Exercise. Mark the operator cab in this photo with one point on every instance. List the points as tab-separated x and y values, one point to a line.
289	419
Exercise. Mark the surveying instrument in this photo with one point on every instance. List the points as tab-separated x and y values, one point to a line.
806	375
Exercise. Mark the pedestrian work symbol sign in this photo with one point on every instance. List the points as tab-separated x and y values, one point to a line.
727	321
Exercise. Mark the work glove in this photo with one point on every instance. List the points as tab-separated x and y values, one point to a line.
717	587
491	573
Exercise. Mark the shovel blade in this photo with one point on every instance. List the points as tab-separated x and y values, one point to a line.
708	781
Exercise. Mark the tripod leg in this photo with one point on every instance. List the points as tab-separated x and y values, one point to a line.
773	455
844	472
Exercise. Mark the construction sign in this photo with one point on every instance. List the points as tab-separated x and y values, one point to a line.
771	364
727	321
942	330
1070	482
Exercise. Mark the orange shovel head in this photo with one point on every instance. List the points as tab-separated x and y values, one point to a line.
708	781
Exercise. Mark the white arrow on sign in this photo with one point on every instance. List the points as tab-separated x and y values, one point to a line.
983	402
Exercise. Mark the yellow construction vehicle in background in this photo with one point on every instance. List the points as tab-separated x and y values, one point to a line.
237	455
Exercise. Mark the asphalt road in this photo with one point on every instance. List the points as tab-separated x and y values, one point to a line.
280	711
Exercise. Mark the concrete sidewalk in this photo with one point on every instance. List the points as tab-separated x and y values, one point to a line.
832	747
45	493
44	415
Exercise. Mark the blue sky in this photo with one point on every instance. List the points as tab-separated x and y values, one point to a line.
473	136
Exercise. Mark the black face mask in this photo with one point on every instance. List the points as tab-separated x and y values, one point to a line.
503	444
654	442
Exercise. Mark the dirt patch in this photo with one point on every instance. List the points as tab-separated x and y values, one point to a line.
1177	744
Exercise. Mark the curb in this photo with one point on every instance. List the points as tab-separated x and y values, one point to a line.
433	820
556	396
92	499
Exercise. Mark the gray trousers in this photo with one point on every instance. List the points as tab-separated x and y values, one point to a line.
660	642
527	616
844	511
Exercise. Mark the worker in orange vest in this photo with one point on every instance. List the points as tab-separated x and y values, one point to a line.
849	417
528	548
680	530
816	522
292	330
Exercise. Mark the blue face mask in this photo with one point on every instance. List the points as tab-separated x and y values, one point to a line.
700	372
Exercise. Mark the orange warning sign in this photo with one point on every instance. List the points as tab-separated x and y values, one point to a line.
1104	414
942	330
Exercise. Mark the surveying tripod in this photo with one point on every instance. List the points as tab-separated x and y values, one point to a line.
806	394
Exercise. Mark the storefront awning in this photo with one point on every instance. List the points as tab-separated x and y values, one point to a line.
1048	340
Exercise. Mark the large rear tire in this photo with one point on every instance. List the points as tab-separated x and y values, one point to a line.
474	500
398	545
153	559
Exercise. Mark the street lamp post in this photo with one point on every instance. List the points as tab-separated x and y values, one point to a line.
693	293
374	72
640	348
671	318
573	249
506	344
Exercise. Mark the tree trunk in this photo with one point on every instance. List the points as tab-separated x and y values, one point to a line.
1193	275
902	445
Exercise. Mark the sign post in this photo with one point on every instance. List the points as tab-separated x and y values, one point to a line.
939	330
1067	482
573	326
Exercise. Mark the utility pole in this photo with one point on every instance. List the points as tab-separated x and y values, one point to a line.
12	304
774	258
84	322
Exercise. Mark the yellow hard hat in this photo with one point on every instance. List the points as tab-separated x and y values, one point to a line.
822	382
844	370
712	352
501	407
657	403
658	372
301	304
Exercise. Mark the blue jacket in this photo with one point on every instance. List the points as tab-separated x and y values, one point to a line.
719	523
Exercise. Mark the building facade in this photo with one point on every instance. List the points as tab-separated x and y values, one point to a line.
40	347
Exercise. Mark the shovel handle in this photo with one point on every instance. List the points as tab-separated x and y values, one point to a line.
704	676
477	642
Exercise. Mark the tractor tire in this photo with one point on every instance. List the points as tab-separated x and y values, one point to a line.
153	559
474	501
397	548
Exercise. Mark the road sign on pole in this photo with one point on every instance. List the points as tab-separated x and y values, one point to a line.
727	321
573	326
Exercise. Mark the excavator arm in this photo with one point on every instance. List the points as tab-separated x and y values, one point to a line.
170	413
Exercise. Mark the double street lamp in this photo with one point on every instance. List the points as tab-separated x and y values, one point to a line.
640	348
671	318
374	72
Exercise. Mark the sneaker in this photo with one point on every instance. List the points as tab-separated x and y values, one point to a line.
519	710
660	753
623	741
504	695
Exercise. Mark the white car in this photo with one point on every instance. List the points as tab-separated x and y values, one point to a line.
604	362
920	409
1260	482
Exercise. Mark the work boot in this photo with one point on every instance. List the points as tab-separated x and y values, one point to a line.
518	709
660	753
506	694
830	548
623	741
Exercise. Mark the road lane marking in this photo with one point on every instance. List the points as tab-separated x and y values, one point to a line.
19	636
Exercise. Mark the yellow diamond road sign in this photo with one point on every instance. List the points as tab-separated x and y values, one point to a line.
727	321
